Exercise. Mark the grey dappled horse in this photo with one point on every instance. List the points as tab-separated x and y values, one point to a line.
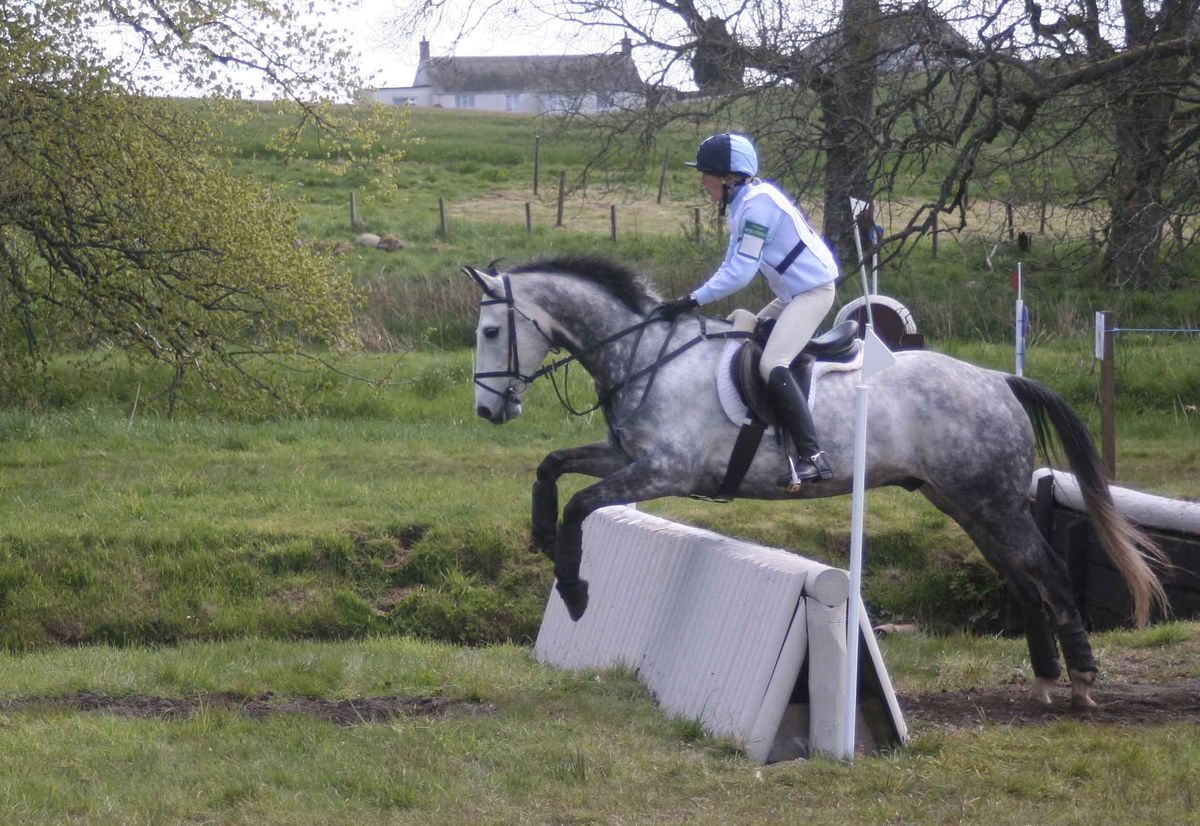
961	435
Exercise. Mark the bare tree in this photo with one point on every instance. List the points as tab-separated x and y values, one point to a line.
872	96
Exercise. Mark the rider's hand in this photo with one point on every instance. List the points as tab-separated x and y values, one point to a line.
675	306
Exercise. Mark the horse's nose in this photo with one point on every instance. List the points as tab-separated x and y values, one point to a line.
484	411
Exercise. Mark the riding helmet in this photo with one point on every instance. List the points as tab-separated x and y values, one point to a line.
726	154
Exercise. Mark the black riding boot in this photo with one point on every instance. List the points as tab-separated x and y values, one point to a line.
792	408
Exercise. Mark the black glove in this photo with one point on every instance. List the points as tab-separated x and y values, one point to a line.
675	306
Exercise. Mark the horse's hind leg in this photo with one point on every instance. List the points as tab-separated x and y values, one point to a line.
1009	539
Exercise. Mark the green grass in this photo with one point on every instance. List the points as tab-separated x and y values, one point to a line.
482	166
393	509
237	548
557	747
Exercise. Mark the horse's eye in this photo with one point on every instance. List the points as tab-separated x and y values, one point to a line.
491	332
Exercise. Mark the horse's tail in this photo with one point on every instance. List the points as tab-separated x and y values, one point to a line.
1127	547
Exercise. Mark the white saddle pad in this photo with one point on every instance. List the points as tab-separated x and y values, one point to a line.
732	403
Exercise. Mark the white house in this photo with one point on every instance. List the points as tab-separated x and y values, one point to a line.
531	84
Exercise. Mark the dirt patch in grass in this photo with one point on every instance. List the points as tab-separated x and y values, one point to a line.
349	712
1011	705
590	212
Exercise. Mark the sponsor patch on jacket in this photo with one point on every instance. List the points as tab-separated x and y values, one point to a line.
753	237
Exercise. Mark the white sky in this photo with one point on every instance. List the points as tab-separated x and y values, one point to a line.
394	63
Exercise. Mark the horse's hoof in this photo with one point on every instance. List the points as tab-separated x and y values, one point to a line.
574	593
543	543
1041	689
1081	690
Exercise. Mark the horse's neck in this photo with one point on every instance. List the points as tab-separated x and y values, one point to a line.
592	323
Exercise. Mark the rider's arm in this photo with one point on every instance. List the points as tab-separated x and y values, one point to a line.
755	223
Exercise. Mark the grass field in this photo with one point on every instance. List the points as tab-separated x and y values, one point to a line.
243	732
191	609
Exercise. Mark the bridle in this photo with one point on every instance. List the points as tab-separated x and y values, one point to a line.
513	369
520	381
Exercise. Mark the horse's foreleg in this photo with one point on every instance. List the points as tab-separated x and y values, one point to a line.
634	482
599	459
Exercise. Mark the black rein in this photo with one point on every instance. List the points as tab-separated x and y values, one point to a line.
551	369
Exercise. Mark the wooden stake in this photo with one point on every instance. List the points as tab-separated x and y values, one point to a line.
612	219
528	218
1045	198
562	189
442	217
537	160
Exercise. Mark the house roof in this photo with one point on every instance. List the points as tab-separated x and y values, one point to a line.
906	35
565	74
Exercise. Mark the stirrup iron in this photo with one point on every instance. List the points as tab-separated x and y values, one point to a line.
793	480
813	469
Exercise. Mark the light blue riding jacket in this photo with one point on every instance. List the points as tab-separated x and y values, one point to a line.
769	235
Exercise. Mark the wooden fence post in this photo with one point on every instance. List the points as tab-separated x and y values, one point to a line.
562	188
528	218
442	217
1107	339
537	160
355	224
612	219
1045	198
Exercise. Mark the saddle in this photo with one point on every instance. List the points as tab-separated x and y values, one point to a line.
840	344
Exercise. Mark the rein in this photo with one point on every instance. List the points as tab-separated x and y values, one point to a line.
513	370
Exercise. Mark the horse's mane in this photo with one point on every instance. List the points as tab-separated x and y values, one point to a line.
626	285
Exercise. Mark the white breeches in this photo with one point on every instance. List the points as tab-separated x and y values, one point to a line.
794	327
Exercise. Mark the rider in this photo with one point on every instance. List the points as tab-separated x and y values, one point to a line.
768	234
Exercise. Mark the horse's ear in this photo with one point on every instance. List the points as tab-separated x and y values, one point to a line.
490	284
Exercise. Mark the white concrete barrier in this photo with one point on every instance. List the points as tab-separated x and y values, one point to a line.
721	631
1144	509
1100	590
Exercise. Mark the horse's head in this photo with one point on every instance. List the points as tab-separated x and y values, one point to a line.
510	343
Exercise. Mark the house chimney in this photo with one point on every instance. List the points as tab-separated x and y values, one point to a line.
626	46
424	50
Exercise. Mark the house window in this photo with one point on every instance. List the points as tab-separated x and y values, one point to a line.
604	101
398	100
512	103
464	101
562	104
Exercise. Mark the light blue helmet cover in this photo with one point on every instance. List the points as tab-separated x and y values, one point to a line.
726	154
